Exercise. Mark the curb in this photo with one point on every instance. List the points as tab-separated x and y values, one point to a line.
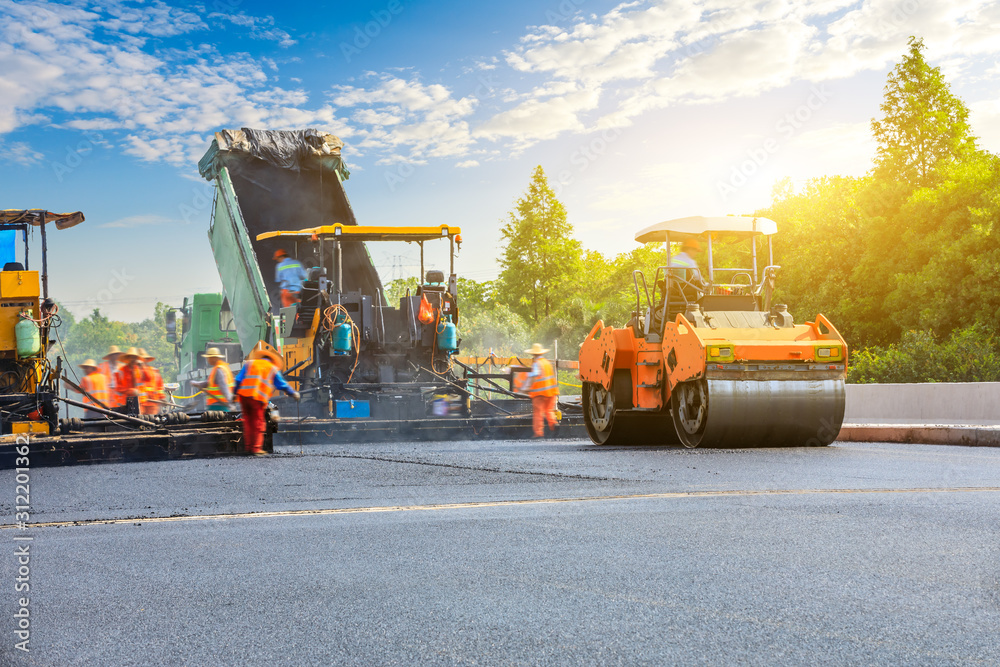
922	434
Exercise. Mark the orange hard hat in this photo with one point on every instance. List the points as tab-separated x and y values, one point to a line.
694	244
279	253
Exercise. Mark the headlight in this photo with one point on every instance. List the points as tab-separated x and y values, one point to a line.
719	353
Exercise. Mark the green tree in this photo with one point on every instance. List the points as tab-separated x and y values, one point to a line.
923	126
398	288
540	257
950	251
816	247
92	336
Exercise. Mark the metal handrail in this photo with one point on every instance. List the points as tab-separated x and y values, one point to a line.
645	289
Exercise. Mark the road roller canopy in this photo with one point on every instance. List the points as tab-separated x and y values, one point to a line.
699	225
369	233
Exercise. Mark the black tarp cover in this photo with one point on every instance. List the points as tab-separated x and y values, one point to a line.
286	149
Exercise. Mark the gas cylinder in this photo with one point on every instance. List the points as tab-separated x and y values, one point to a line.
29	340
447	336
342	339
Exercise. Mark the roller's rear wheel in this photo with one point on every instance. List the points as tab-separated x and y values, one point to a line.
689	408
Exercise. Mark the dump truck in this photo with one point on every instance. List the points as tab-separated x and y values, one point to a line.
713	362
365	367
202	321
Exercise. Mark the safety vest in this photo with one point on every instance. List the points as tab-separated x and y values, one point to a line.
109	372
154	383
544	384
214	391
258	383
131	377
152	390
96	385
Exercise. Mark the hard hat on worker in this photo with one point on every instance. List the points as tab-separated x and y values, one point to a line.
89	363
691	244
113	351
279	253
536	349
145	356
213	353
264	351
133	353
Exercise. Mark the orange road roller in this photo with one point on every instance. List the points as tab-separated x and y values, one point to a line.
708	360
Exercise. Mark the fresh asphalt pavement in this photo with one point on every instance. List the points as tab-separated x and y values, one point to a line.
514	552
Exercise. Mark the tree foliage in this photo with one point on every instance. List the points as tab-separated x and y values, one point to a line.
540	256
923	126
93	335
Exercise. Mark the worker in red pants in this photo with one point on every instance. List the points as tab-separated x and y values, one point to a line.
542	386
257	380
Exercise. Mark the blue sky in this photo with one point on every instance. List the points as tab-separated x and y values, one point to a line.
638	111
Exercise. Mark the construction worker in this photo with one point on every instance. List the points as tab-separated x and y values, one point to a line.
154	385
109	368
95	386
685	259
131	379
257	380
541	384
218	386
289	275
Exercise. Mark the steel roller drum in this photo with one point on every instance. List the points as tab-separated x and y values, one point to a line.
760	413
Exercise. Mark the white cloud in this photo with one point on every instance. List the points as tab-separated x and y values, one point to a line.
99	66
19	153
86	65
141	221
466	164
260	27
155	19
426	119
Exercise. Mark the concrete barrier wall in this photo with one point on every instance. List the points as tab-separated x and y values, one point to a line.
933	403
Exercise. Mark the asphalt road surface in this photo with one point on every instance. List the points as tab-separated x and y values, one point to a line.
513	553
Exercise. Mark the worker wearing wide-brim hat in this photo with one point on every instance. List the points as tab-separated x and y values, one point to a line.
95	388
543	387
256	382
109	368
153	389
131	379
218	387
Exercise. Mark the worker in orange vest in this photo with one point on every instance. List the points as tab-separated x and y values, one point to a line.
109	368
154	385
542	386
218	386
96	387
131	379
257	380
